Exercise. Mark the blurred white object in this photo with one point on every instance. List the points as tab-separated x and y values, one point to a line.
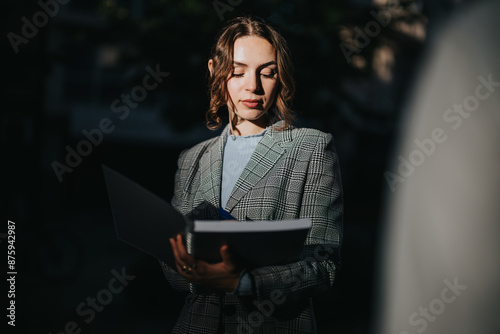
440	263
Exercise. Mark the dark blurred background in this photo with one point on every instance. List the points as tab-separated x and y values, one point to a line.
64	69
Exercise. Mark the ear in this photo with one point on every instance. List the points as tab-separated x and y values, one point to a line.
210	66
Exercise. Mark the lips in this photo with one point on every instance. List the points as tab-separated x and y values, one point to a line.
251	103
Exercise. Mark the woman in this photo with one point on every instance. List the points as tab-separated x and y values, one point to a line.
259	168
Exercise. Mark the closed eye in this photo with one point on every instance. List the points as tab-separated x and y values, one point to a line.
268	75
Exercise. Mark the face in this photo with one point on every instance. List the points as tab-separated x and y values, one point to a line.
252	85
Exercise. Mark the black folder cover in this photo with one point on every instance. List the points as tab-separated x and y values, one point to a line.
141	218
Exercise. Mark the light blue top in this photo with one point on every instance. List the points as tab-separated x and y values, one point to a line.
237	153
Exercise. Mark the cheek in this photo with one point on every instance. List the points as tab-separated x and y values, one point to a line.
271	89
232	87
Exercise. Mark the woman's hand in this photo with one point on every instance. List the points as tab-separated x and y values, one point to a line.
221	276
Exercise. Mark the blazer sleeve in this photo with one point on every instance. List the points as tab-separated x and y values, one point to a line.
322	201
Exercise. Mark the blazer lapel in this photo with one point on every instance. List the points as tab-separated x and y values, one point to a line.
211	170
267	153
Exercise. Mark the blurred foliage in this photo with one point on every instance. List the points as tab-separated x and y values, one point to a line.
178	35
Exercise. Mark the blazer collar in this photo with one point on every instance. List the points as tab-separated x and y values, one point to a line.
211	169
267	153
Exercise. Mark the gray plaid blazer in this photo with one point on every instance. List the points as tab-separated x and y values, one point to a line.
293	173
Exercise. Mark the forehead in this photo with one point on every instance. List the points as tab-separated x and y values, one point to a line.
253	50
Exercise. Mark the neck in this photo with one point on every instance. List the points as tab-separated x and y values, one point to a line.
247	128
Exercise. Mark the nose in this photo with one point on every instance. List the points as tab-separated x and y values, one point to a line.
253	83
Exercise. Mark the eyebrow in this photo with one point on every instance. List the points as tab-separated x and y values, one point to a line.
259	67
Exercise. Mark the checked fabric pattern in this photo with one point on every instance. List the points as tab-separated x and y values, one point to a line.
293	173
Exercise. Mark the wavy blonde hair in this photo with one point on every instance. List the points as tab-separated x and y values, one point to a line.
222	67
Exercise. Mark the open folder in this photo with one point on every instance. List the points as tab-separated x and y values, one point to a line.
146	222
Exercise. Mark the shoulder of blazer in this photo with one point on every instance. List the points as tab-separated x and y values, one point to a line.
193	154
294	135
310	138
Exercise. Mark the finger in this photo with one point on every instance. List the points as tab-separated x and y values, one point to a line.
175	250
179	263
202	268
181	250
230	259
187	263
226	255
183	254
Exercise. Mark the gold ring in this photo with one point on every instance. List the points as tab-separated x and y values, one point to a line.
189	269
184	268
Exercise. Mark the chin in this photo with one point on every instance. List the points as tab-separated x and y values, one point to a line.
251	115
254	119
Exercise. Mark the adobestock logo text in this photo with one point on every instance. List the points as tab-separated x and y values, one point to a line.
121	107
453	117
